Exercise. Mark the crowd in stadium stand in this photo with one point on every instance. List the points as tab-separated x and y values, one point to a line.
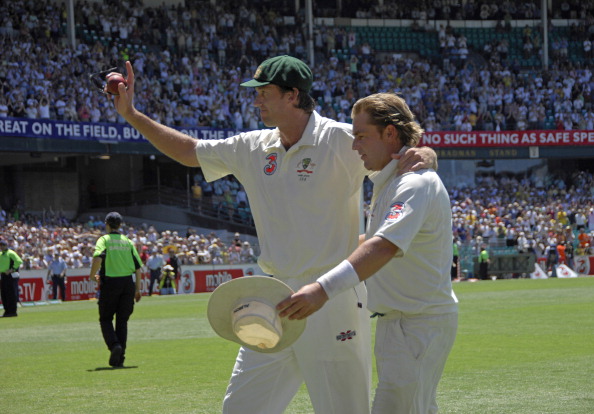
467	10
37	238
527	214
190	60
225	199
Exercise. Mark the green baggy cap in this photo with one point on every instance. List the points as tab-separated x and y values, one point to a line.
284	71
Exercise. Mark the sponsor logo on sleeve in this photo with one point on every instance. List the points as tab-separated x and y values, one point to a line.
395	212
271	165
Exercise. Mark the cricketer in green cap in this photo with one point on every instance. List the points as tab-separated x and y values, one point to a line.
285	71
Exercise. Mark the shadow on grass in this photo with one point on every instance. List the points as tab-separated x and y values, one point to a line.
110	368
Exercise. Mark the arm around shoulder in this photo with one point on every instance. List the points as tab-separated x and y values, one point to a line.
415	159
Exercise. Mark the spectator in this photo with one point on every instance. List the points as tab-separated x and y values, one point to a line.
247	253
57	271
154	264
552	255
167	281
203	253
234	253
215	253
584	239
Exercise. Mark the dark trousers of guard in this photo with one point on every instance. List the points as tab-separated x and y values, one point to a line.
454	272
7	292
117	299
17	293
58	282
483	270
155	275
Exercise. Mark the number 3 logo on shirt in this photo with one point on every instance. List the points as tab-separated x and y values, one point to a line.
270	168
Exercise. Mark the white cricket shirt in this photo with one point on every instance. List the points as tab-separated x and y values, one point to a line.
413	212
305	201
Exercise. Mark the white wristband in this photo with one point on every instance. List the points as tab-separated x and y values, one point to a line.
339	279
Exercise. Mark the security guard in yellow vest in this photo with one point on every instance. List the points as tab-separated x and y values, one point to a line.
115	260
484	261
9	264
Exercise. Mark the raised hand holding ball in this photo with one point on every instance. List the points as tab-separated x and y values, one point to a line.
113	79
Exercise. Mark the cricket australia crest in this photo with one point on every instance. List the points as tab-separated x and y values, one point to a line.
305	169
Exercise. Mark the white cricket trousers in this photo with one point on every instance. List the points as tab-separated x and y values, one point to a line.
332	356
411	353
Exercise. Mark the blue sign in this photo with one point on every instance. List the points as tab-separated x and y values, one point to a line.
89	131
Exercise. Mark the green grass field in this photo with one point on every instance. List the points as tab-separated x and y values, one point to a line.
523	347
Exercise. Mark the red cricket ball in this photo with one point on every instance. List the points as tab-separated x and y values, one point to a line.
113	80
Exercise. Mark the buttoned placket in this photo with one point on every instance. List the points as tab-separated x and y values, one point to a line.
377	189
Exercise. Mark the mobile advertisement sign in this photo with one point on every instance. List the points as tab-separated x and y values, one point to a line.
35	287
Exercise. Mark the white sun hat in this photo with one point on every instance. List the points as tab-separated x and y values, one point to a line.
243	310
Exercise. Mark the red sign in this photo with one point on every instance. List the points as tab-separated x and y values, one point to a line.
197	281
33	286
31	289
80	288
457	139
584	265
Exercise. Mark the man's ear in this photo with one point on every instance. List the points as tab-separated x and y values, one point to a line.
295	95
392	133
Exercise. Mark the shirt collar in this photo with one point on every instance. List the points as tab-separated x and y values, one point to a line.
379	178
308	137
311	130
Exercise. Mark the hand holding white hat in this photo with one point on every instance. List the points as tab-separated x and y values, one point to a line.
243	310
